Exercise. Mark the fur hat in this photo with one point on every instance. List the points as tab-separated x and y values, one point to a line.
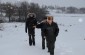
34	15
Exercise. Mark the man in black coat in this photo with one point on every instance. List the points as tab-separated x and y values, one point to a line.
30	22
51	31
41	25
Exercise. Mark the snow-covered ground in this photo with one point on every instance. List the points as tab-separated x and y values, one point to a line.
71	39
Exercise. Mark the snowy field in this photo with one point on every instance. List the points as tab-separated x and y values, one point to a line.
70	41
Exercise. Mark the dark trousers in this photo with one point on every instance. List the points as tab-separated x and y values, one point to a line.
43	38
43	42
31	33
51	46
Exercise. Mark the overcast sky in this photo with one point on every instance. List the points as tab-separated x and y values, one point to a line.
75	3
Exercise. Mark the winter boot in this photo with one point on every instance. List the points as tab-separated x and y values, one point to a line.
51	54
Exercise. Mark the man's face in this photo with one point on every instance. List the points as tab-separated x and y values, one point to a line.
49	20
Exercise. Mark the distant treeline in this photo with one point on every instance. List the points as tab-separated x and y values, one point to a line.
66	9
19	11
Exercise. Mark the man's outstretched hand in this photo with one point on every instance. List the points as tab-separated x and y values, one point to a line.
34	26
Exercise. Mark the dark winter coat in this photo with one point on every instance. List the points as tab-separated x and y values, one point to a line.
30	22
51	31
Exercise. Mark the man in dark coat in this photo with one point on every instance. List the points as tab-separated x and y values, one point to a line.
30	22
41	25
51	32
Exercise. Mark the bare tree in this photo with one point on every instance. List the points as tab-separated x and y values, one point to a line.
9	10
24	9
39	11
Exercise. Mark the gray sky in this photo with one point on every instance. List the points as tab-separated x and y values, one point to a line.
75	3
